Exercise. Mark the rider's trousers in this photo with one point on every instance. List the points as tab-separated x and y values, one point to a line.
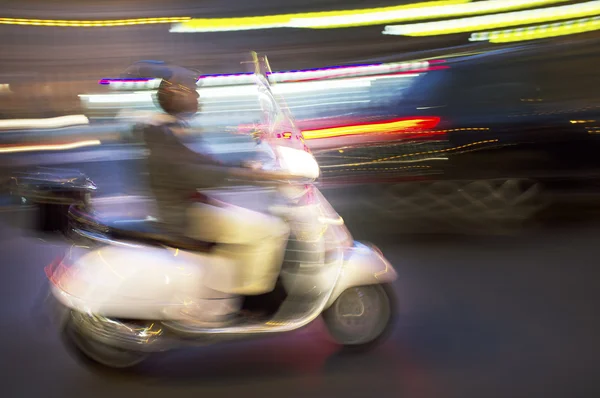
254	242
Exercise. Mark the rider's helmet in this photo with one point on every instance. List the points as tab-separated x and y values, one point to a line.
177	93
177	99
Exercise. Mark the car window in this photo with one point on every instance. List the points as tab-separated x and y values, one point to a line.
429	89
569	81
493	89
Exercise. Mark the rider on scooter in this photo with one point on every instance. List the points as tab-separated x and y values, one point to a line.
256	241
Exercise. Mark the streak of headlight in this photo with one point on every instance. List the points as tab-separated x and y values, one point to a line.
48	147
91	23
246	90
344	71
441	11
367	128
463	25
360	17
51	123
294	20
539	31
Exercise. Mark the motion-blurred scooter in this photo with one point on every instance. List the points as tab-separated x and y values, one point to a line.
126	291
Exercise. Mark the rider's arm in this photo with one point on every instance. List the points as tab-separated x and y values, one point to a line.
207	170
208	165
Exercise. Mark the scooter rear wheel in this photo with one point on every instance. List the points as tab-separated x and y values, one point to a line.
95	354
362	316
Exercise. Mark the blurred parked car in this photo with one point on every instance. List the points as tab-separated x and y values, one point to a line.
496	138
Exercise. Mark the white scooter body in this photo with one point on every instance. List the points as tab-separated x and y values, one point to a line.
138	282
139	298
135	281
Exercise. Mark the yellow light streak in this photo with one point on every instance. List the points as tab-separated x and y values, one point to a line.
539	32
92	23
463	25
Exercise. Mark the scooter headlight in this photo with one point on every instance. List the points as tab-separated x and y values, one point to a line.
298	162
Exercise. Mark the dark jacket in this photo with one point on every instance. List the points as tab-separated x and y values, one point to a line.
176	172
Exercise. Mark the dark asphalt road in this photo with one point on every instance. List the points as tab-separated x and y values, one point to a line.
497	317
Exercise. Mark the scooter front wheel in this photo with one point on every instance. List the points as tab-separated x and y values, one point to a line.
362	316
95	354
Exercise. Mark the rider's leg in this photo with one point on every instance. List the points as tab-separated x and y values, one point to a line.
256	242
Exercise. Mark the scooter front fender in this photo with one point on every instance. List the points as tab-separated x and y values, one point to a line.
363	265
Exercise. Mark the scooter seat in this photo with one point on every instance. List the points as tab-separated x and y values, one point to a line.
145	231
141	230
